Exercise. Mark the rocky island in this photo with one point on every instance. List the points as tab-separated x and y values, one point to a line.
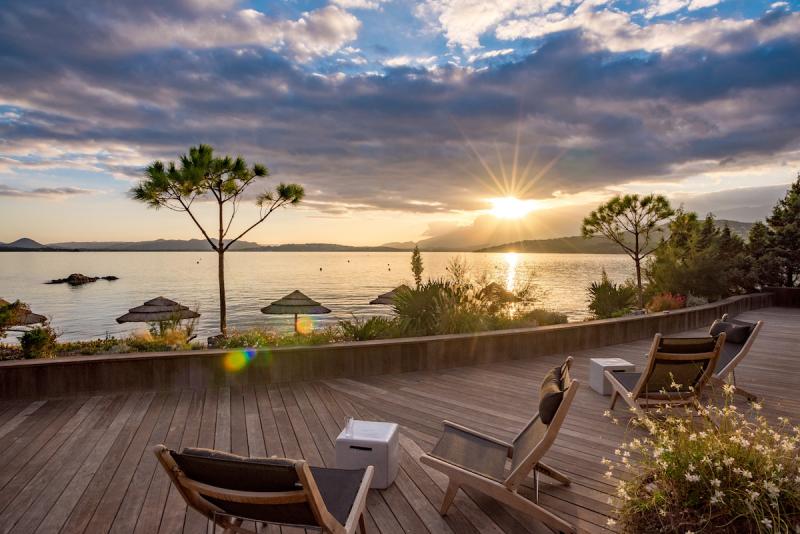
77	279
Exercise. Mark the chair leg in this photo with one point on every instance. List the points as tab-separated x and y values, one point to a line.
552	473
746	394
362	527
614	396
449	496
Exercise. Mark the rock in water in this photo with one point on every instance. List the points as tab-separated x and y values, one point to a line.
77	279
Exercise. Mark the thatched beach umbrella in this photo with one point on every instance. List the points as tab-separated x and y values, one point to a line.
388	297
158	310
22	315
295	303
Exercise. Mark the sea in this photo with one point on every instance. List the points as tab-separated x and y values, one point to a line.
345	282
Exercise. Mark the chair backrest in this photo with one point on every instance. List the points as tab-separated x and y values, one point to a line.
732	353
685	362
273	490
535	439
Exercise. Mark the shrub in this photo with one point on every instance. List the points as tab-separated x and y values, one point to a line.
375	327
665	302
720	471
255	338
607	299
692	301
418	309
38	342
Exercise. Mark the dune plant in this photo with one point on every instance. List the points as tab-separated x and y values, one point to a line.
38	342
715	469
361	329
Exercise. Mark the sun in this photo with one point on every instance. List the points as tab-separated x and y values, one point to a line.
511	207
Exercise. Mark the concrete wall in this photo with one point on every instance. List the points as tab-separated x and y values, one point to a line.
80	375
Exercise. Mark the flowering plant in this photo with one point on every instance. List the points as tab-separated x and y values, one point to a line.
665	302
715	469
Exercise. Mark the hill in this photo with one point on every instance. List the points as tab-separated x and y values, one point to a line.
595	245
23	244
180	245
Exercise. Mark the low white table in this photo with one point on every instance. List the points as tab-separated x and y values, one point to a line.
597	369
371	443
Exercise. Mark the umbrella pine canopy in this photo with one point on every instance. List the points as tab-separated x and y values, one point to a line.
157	310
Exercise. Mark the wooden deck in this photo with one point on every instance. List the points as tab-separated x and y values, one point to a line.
84	464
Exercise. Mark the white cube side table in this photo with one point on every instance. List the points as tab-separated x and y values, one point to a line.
371	443
597	369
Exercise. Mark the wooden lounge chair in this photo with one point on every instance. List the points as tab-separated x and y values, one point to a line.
739	338
476	460
687	362
230	489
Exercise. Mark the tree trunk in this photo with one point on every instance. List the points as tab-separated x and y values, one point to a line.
223	319
639	281
638	261
223	325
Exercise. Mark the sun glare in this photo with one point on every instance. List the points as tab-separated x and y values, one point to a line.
511	207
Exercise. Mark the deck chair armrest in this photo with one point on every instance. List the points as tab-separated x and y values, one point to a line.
476	433
360	502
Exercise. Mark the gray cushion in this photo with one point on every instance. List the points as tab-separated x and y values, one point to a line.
338	487
734	333
551	393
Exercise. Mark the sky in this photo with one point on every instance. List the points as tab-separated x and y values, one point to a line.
402	120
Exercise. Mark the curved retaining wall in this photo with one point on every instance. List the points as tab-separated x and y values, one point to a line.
200	369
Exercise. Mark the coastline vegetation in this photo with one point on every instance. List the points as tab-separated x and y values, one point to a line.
696	262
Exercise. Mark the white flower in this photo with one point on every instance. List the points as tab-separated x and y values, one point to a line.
767	522
692	436
771	488
728	461
756	406
715	482
691	477
752	495
729	389
610	522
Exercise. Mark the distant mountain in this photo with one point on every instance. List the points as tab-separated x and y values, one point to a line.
561	245
400	245
23	244
595	245
158	245
194	245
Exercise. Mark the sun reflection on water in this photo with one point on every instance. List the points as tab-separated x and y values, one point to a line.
511	258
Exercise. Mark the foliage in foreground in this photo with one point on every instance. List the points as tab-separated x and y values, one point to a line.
607	299
41	342
719	471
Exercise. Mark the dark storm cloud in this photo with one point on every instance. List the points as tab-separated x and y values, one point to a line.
53	192
390	141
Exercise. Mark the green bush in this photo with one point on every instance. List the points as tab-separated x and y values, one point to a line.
376	327
607	299
715	469
38	342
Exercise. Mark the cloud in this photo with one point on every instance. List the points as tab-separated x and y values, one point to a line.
189	24
408	61
412	138
42	192
358	4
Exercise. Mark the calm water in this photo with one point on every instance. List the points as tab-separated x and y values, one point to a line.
346	283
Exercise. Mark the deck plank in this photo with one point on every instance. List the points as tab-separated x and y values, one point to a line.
85	464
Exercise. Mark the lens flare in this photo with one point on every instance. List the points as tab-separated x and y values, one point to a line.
305	325
237	360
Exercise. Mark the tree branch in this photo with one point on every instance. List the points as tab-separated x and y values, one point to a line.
275	205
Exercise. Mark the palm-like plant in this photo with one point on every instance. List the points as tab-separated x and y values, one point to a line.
201	175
